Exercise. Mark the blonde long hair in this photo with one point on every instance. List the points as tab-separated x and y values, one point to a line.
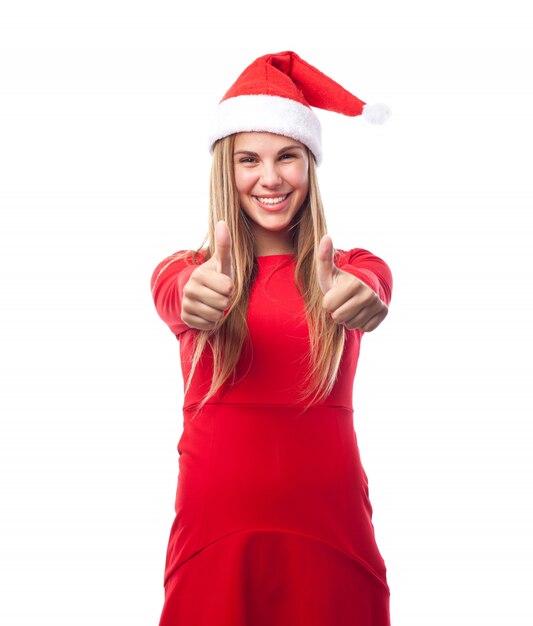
226	339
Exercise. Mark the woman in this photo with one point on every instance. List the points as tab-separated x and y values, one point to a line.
273	519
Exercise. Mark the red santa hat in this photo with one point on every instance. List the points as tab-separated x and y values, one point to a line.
275	94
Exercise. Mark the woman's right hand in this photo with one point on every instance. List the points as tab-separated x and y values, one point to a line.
208	292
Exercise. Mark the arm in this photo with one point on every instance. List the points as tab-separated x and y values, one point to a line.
370	269
167	283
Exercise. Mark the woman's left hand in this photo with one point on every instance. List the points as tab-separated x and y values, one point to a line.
346	298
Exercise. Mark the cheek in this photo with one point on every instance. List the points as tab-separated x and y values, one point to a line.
303	182
243	181
300	178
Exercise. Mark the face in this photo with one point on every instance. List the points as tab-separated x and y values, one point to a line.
272	178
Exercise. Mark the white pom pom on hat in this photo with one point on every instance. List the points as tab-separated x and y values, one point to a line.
275	94
377	113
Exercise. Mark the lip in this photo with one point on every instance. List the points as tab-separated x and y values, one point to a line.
274	208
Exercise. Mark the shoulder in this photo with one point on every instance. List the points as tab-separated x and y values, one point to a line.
350	255
188	256
361	259
369	268
354	256
175	263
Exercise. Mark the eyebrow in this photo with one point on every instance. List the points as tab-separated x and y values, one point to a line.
279	151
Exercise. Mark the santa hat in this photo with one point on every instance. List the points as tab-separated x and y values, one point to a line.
275	94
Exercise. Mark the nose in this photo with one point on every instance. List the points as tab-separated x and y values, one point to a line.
270	177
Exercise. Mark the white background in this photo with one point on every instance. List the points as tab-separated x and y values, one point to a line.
104	172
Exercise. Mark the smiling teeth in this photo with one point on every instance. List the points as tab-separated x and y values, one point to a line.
272	200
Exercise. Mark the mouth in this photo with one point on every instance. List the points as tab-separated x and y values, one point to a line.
273	203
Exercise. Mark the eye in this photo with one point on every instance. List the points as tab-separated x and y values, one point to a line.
288	155
247	160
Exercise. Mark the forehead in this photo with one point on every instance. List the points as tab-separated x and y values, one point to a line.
262	140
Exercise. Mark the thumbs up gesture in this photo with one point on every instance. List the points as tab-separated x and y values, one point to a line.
346	298
209	290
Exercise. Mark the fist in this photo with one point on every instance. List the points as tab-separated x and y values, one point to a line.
346	298
210	288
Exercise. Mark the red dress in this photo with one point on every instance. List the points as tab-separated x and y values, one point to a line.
273	521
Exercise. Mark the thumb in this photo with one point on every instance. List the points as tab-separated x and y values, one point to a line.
223	249
326	267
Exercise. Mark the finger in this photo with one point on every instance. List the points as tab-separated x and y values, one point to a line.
325	265
207	304
195	321
223	248
206	313
374	321
368	318
360	306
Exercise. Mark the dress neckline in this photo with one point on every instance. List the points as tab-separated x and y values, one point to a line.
271	256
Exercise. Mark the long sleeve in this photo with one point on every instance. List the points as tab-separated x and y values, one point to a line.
167	284
372	270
